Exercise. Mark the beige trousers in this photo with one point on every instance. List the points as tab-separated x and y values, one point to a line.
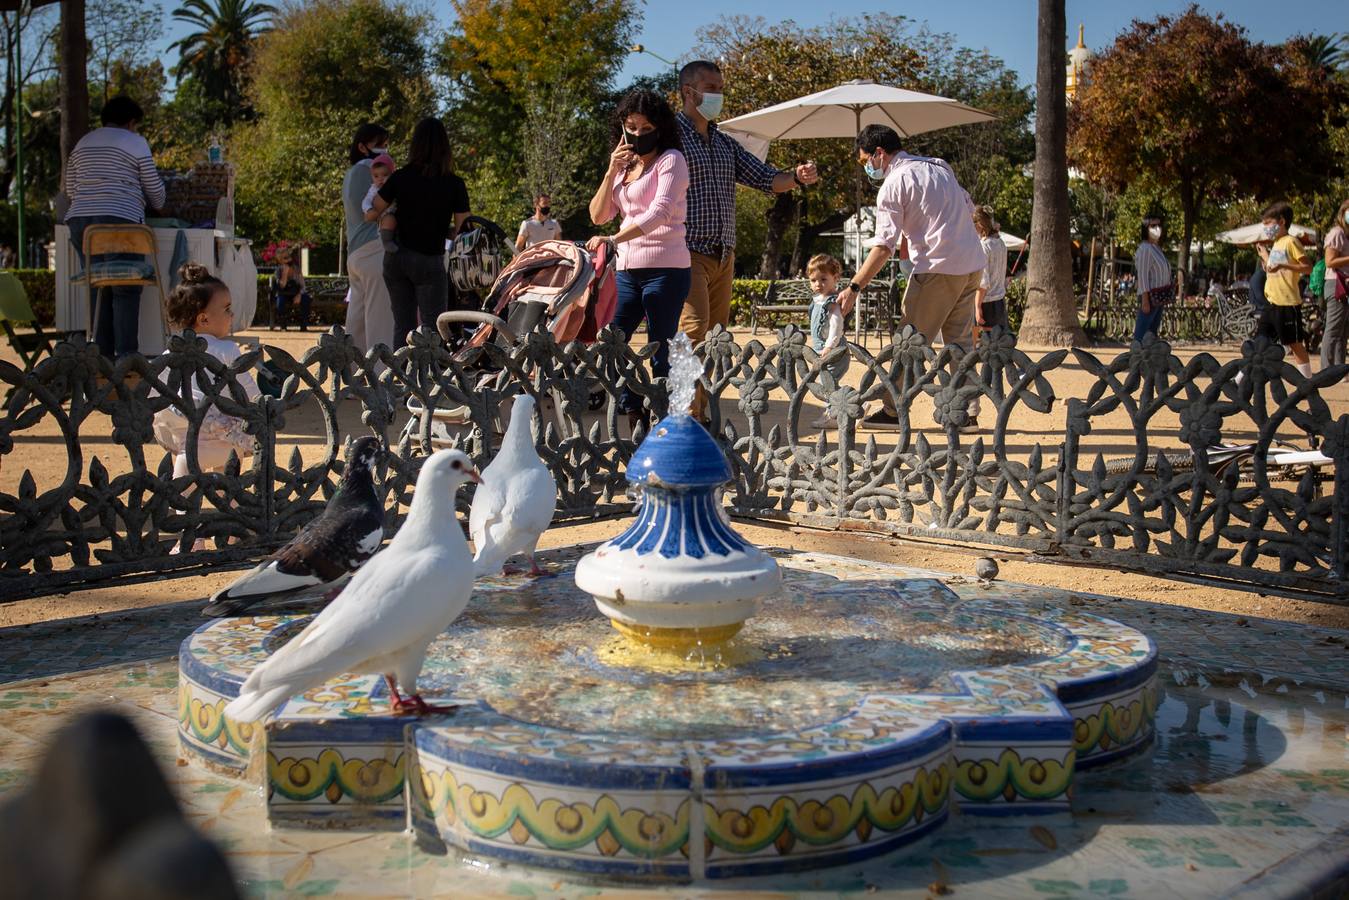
937	304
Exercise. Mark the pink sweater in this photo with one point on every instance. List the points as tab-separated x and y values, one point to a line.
656	203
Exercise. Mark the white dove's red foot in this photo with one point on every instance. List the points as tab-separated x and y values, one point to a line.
413	705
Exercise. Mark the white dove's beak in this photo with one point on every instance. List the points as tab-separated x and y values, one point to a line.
474	477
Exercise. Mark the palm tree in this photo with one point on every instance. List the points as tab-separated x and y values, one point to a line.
1326	52
217	53
1051	307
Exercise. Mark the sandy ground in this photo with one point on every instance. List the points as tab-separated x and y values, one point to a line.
38	451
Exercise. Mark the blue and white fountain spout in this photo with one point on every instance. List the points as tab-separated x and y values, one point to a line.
679	575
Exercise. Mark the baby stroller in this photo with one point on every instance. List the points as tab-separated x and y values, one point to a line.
558	284
474	260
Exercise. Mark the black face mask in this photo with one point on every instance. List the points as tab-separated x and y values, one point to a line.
642	144
545	210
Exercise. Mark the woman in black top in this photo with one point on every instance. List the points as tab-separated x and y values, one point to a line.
432	205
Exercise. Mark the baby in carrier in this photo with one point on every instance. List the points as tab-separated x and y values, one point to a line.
380	170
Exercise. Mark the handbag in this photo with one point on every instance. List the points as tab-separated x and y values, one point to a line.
1162	296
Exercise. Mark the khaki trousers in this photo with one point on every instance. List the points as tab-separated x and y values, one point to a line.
709	300
708	305
937	304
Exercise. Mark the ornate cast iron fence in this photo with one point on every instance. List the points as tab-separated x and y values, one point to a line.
1249	526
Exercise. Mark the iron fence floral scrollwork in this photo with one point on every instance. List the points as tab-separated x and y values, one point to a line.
1247	524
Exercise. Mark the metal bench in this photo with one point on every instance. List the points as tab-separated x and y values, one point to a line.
783	298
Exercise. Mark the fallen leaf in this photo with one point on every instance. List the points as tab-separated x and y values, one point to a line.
1044	837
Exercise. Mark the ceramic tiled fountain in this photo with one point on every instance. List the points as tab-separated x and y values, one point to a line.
844	719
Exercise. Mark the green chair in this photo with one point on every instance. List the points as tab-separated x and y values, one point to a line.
16	310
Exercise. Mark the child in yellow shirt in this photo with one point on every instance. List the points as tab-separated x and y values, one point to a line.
1285	263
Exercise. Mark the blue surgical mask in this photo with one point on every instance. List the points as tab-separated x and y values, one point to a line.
1271	232
710	108
874	173
1346	217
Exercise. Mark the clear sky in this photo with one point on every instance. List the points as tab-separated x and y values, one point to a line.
1004	27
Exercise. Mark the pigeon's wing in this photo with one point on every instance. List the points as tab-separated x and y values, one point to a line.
390	604
257	584
327	548
488	501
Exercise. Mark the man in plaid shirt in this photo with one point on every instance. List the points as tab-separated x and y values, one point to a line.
716	163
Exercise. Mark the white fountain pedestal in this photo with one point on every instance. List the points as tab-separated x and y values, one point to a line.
679	575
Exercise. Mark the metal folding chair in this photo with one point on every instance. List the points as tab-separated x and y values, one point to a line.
105	240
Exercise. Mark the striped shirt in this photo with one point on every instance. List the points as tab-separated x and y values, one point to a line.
1151	268
111	173
716	164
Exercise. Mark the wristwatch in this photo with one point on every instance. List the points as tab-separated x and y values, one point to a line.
797	179
854	287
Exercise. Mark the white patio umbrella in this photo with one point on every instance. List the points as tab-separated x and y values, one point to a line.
842	111
1250	234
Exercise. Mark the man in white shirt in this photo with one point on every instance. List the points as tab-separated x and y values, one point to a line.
540	226
924	212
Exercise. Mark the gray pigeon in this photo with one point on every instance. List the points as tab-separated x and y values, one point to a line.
340	540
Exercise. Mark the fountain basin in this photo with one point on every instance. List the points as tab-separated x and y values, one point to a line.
848	720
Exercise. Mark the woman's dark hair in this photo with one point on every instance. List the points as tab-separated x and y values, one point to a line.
1143	227
196	287
368	133
121	111
657	111
429	152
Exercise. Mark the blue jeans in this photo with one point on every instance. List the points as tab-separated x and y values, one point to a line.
656	295
117	329
282	306
1148	323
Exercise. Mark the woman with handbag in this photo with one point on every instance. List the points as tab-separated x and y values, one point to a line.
1155	287
1336	289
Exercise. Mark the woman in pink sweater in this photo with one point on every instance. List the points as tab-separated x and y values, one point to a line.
647	184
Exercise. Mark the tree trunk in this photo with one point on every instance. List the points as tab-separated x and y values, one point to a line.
779	216
74	79
1189	212
1051	308
801	246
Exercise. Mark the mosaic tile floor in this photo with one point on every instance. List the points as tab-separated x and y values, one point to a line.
1246	789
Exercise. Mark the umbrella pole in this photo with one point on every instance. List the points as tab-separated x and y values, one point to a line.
857	230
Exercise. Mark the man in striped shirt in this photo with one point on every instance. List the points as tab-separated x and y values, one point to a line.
716	164
110	178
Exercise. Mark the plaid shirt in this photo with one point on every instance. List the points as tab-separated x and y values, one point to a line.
715	165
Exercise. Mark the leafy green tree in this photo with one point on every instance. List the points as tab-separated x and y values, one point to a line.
218	53
1192	104
522	72
765	64
325	69
121	34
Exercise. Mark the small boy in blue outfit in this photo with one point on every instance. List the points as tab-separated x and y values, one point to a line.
826	318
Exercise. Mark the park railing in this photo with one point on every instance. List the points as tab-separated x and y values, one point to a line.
1086	482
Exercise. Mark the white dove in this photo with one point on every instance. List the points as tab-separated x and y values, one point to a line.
389	613
514	504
